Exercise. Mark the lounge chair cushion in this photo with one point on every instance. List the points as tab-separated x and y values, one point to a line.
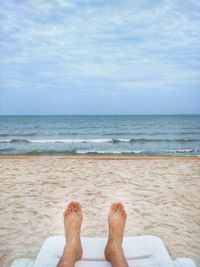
140	251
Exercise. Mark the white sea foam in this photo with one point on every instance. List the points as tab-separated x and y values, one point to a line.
180	150
100	140
109	151
72	141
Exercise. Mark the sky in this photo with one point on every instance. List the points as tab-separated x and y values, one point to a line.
99	57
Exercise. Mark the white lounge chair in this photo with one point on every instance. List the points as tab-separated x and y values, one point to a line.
140	251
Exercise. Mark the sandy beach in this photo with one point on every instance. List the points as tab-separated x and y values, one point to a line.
161	196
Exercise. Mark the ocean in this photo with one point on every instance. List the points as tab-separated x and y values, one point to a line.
138	135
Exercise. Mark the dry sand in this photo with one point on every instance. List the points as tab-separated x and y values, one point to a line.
162	197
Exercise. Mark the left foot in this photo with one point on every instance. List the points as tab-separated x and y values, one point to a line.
72	222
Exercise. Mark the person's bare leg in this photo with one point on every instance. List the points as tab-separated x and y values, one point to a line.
116	222
72	223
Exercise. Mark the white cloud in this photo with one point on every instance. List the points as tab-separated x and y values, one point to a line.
122	42
66	3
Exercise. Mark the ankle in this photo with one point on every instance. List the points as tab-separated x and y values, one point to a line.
72	251
116	257
114	250
66	260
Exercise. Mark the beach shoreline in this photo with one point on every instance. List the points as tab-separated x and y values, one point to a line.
102	157
161	196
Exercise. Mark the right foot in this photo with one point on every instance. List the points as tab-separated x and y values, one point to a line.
116	222
72	222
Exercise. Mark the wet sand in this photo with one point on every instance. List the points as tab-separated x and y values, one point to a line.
161	196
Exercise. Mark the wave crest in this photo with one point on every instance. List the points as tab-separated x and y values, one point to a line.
106	140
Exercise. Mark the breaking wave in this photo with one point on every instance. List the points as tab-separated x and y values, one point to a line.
77	152
106	140
93	152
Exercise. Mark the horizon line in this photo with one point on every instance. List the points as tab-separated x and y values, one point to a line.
145	114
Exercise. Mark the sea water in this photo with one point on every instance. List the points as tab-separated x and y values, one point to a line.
138	135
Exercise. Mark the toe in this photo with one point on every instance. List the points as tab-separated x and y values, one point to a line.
120	205
121	212
112	208
74	206
115	205
118	208
77	206
68	212
79	209
70	207
124	214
